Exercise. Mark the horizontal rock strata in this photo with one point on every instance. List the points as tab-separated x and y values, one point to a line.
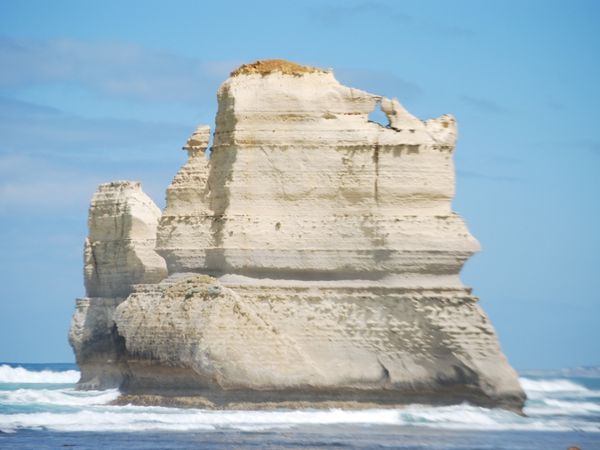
314	258
119	253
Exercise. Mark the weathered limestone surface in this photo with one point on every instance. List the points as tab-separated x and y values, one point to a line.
315	257
301	182
119	253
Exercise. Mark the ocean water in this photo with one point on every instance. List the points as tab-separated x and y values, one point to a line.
40	409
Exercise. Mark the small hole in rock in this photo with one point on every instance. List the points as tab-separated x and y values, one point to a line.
378	116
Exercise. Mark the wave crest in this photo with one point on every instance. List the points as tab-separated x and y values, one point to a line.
21	375
127	418
56	397
557	385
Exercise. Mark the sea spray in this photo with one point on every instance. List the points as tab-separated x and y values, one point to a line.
9	374
47	400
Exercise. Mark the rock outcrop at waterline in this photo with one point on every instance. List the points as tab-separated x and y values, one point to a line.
314	258
119	253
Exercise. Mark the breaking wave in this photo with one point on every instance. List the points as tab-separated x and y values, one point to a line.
554	405
21	375
127	418
557	385
56	397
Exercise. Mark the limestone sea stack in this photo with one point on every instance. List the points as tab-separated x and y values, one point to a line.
119	253
313	260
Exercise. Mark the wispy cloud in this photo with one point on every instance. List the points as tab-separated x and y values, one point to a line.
38	129
44	195
483	176
390	12
379	82
336	14
11	107
556	105
575	143
447	30
593	146
111	68
52	161
39	184
484	105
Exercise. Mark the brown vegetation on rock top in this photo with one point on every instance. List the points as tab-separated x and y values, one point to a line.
267	66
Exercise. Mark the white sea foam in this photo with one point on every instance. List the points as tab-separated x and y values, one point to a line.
555	405
10	374
467	417
557	385
128	418
139	419
64	397
556	388
552	407
574	407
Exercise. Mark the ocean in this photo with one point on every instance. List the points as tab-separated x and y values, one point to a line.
40	409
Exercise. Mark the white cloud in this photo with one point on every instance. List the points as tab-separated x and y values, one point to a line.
37	184
111	68
40	184
483	104
44	194
38	129
379	82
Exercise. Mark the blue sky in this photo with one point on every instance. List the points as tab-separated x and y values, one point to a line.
97	91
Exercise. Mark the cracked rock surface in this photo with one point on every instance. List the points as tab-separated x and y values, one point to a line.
314	258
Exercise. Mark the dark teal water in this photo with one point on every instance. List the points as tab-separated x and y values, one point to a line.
40	409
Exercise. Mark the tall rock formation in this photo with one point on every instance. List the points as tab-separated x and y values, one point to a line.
119	253
314	258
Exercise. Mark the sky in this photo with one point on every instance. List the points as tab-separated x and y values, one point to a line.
98	91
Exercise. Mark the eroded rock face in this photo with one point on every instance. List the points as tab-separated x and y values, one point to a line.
328	256
260	343
119	253
119	250
301	184
186	197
